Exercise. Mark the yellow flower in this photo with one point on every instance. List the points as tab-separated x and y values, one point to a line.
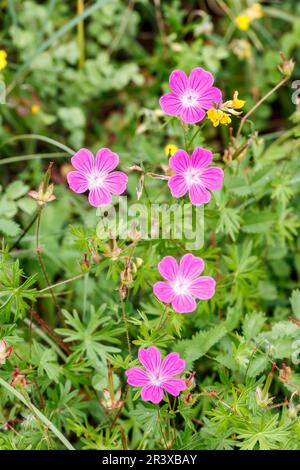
35	108
255	12
243	22
216	116
241	48
236	103
3	59
170	149
225	119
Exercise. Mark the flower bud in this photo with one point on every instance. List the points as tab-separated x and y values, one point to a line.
287	66
5	351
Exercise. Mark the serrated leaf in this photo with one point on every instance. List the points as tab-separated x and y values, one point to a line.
16	189
200	344
9	227
253	324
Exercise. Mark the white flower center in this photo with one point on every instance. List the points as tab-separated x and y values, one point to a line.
189	98
192	176
156	381
181	286
96	180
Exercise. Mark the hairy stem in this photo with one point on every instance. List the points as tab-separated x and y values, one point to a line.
41	262
254	108
125	323
26	230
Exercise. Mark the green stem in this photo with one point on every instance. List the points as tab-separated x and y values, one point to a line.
125	324
24	232
34	156
80	35
61	283
254	108
41	262
38	413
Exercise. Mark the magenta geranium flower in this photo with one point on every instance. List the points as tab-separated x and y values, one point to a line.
183	284
194	176
96	176
158	375
191	96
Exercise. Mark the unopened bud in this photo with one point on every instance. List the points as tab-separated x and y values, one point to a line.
287	66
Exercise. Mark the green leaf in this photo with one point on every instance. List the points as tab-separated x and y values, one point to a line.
16	189
200	344
295	303
9	227
253	324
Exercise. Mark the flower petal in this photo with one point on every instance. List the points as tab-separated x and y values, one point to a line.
198	194
99	197
184	304
137	377
83	160
163	291
172	365
201	157
192	114
212	178
200	79
178	81
191	266
171	104
77	181
178	186
174	386
152	393
106	160
168	268
116	182
180	161
203	288
209	97
151	359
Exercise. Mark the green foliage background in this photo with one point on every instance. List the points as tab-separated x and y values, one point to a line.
109	97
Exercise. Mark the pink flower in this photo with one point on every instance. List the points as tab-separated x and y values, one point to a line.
191	96
5	351
158	376
184	285
194	176
96	176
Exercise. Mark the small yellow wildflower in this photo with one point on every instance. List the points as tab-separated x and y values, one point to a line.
225	119
3	59
216	116
35	108
243	22
236	103
255	12
170	149
241	48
